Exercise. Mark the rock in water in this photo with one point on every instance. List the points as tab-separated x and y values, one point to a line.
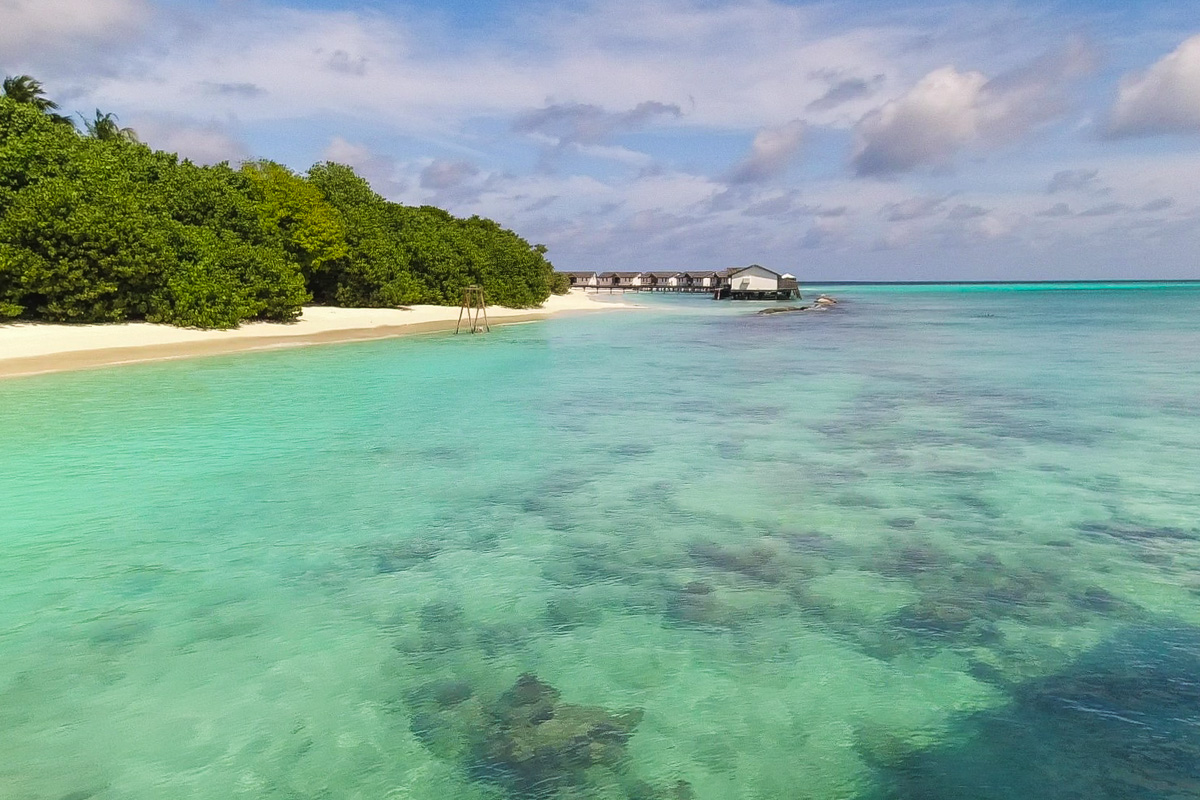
783	310
539	744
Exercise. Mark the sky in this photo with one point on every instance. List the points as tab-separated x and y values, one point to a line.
855	140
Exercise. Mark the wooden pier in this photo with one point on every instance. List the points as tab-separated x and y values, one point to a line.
679	289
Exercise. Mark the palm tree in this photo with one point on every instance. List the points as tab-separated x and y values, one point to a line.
105	128
27	89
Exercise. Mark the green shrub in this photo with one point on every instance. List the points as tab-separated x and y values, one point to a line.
105	229
560	283
221	281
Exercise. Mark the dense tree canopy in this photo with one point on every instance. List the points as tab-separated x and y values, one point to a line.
97	227
400	254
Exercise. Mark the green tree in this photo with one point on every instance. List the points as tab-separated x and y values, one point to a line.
312	231
401	254
32	147
376	270
120	231
106	127
98	227
28	90
220	280
81	251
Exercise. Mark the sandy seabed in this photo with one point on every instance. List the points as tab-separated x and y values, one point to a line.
33	348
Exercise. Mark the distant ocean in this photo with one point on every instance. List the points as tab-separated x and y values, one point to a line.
939	543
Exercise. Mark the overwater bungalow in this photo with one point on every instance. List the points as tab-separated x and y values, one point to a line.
706	280
584	280
758	283
738	283
660	280
619	280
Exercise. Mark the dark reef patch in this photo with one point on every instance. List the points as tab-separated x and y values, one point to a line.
120	631
502	638
441	694
81	794
815	543
696	605
387	556
761	560
531	745
858	500
908	559
731	450
977	505
1099	600
442	625
1122	723
631	450
567	612
1132	532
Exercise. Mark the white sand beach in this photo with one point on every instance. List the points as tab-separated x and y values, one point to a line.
32	348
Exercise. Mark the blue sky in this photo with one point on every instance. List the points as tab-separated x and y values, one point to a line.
850	140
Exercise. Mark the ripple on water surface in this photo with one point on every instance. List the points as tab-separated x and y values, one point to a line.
934	544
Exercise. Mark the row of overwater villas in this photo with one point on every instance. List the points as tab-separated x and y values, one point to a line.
752	279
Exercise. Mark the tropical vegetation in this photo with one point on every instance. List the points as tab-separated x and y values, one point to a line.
96	227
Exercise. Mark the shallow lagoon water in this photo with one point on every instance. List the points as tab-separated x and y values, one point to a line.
869	553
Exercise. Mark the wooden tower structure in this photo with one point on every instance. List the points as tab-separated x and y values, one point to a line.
474	305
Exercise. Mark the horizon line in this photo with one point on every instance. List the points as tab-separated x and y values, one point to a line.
1003	283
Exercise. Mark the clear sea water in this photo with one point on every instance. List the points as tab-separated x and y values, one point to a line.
939	543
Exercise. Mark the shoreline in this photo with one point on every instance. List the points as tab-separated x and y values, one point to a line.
37	348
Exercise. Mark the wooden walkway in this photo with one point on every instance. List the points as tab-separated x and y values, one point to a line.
682	289
718	293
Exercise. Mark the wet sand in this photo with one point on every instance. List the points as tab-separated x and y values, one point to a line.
31	348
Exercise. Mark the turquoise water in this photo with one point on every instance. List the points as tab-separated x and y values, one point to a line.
936	543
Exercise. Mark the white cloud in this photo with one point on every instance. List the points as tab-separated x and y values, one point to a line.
965	211
1105	210
1163	99
341	151
732	65
641	100
948	111
771	153
30	27
588	130
584	123
444	175
1076	180
203	143
825	232
777	204
1056	210
926	127
844	89
912	208
982	228
379	170
615	153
